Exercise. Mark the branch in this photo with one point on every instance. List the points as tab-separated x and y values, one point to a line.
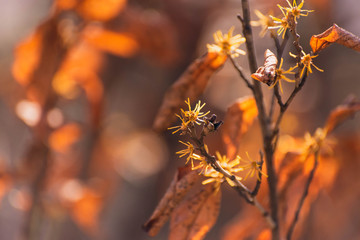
304	195
278	96
239	69
239	187
299	49
265	124
279	51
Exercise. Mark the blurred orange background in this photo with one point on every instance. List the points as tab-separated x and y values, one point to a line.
81	83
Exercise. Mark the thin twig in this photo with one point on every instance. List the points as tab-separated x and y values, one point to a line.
239	69
278	96
303	197
279	51
296	43
272	105
284	106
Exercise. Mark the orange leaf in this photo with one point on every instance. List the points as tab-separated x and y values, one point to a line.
27	56
264	235
85	210
65	4
195	216
34	66
191	84
342	112
101	10
183	181
266	73
61	139
238	119
120	44
334	34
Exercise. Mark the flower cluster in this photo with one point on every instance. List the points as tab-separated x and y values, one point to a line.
226	44
212	167
229	166
296	10
190	117
288	21
290	15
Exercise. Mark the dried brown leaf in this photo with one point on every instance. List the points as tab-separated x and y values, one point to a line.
195	216
334	34
191	84
344	111
183	181
238	119
266	73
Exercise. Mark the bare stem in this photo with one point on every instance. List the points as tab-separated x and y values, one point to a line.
303	197
299	49
240	71
284	106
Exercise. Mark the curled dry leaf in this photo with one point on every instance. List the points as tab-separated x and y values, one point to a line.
342	112
266	73
195	216
183	181
191	84
238	119
334	34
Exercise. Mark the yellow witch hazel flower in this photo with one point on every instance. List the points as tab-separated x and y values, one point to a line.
296	10
265	21
291	14
192	156
227	165
306	60
189	150
189	117
280	74
253	167
226	44
313	143
281	23
194	116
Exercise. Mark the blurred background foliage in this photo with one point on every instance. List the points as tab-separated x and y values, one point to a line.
81	82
